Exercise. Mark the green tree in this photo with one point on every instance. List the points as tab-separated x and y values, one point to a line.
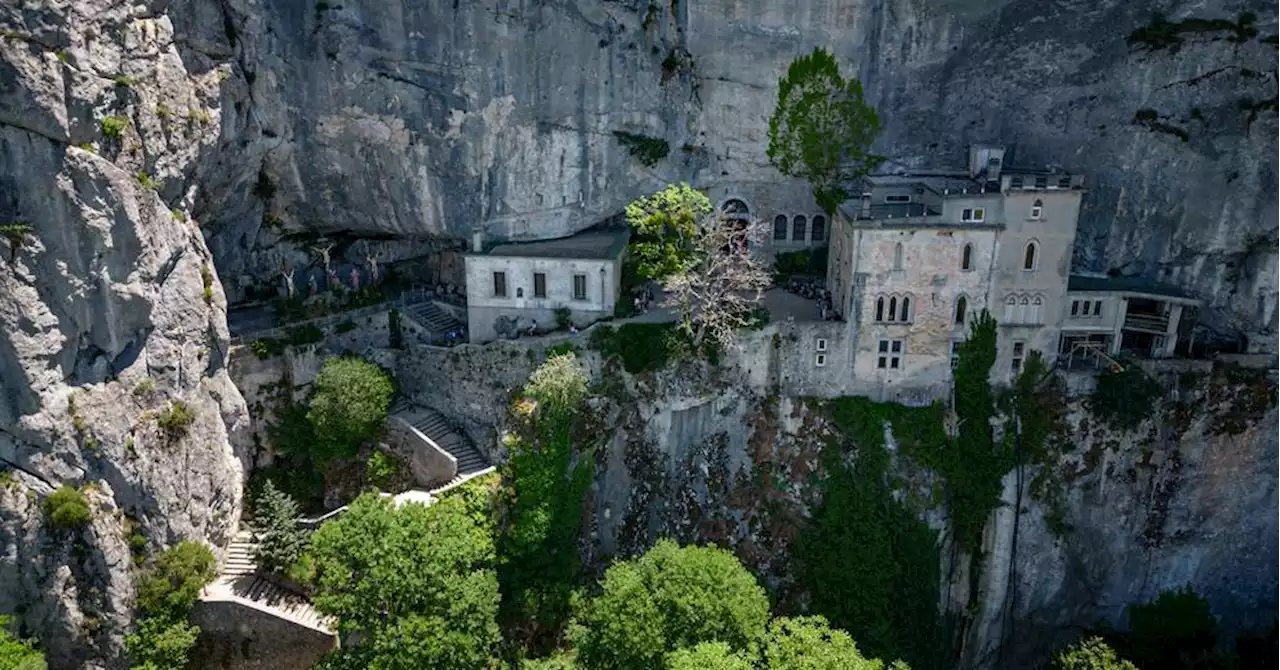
67	508
708	656
1090	654
161	643
15	653
670	598
664	227
174	582
809	643
822	130
545	480
396	573
349	406
275	523
1176	630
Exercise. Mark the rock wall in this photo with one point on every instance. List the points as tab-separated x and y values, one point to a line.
110	314
440	118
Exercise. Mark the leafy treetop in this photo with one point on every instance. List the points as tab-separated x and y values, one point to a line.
672	597
809	643
349	407
664	226
1091	654
173	585
17	653
821	129
708	656
280	540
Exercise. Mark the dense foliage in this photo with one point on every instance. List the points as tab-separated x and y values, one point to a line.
670	598
1124	398
822	130
663	228
67	508
418	581
349	406
164	637
16	653
1176	630
275	523
809	643
708	656
1091	654
545	478
868	564
641	347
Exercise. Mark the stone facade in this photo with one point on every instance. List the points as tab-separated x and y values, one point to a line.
518	286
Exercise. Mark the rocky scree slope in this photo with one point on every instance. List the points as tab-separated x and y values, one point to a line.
411	119
113	338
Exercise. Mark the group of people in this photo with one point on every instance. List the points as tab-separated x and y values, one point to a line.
642	299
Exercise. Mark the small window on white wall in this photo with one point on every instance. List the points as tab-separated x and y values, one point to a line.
822	344
820	360
962	306
1037	209
1029	257
897	256
966	257
975	215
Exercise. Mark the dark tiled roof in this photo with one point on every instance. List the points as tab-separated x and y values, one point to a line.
1125	285
593	244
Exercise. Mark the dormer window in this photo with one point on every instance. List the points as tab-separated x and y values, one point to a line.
975	215
1042	182
897	199
1037	208
1015	182
1064	181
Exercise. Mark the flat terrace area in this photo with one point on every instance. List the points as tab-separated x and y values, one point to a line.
588	245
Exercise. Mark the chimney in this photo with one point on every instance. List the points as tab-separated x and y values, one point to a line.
477	242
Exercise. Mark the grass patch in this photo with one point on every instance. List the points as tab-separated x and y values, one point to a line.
113	127
176	419
67	508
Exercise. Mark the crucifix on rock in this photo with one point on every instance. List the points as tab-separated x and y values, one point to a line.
286	271
324	250
371	258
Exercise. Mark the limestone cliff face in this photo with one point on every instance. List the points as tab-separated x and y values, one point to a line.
110	316
1110	518
443	117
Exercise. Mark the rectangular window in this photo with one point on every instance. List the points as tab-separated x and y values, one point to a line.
819	229
499	284
780	228
979	214
1042	182
1015	182
890	354
1019	349
895	354
955	354
798	231
1064	181
897	198
579	287
1097	308
539	285
822	344
821	360
1075	308
966	215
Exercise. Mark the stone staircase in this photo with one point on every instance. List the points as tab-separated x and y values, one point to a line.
471	463
431	318
240	582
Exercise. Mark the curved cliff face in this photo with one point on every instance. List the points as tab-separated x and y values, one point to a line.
446	117
110	317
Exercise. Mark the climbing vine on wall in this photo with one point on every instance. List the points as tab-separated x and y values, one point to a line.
647	150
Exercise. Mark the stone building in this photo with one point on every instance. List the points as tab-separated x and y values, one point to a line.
517	286
919	254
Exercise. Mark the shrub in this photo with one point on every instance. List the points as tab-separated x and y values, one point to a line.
113	127
641	347
1090	654
206	277
144	387
176	419
1123	399
267	347
281	541
670	598
647	150
67	508
564	318
146	181
349	406
1174	630
381	470
174	583
16	653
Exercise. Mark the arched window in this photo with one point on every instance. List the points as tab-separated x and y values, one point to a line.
893	308
798	228
1010	309
962	306
1037	309
780	227
735	208
897	256
1029	258
905	315
966	257
1023	313
1037	208
819	231
880	309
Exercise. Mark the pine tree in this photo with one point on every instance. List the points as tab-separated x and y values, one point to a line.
280	540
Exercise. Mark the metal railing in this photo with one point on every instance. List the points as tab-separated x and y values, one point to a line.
1148	322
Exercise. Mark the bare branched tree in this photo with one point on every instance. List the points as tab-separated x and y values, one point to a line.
720	287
